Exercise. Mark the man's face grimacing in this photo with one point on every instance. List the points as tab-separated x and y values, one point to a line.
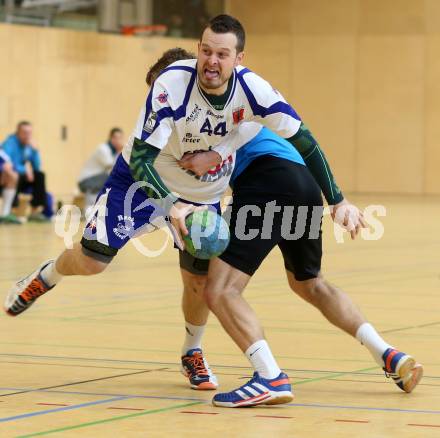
216	60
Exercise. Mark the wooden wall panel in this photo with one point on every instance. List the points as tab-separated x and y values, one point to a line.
324	89
432	111
323	17
84	81
385	17
391	118
371	63
268	56
260	17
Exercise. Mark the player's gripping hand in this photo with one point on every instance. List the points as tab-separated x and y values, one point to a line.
349	217
200	162
178	213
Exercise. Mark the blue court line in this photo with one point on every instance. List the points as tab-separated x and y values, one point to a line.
53	391
65	408
303	405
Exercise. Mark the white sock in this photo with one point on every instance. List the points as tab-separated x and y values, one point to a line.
262	360
8	199
50	274
193	337
368	336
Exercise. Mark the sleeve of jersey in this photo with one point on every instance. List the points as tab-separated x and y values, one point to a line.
268	105
142	169
315	160
155	123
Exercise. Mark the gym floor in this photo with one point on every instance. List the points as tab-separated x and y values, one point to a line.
100	356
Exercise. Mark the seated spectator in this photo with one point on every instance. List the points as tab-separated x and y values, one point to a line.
8	187
97	168
27	163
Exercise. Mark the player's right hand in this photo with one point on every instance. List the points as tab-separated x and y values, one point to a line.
178	213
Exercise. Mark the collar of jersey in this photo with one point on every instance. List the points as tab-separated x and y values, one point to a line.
231	94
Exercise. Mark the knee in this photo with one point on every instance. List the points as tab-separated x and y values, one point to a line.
11	175
91	266
195	283
216	295
312	290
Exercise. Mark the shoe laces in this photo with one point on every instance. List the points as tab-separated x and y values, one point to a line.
34	290
197	364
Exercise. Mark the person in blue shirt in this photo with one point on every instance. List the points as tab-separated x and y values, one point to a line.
26	162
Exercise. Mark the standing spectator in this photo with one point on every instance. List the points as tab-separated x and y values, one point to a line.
27	163
97	168
8	186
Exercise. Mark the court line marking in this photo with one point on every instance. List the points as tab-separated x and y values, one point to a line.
201	413
77	383
108	420
202	401
423	425
89	359
352	421
332	376
111	395
51	404
272	416
157	350
65	408
364	408
429	324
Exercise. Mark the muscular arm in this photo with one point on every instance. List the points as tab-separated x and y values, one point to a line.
315	160
142	168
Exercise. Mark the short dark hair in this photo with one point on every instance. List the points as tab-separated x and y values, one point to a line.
224	23
168	57
114	131
23	123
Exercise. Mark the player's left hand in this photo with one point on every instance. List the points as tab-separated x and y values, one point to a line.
349	217
200	162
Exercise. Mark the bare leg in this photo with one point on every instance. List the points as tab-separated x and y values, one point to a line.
194	307
333	303
223	291
75	262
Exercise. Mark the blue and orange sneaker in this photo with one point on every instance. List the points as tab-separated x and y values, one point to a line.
258	391
26	291
402	368
196	368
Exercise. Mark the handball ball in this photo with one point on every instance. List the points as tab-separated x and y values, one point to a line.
208	234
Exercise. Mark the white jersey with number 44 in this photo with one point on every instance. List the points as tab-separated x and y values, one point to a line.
177	118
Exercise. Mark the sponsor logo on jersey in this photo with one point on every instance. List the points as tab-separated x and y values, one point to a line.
189	138
194	114
217	116
238	115
151	121
163	97
125	227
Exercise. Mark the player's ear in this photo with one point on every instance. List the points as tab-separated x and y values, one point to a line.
239	59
